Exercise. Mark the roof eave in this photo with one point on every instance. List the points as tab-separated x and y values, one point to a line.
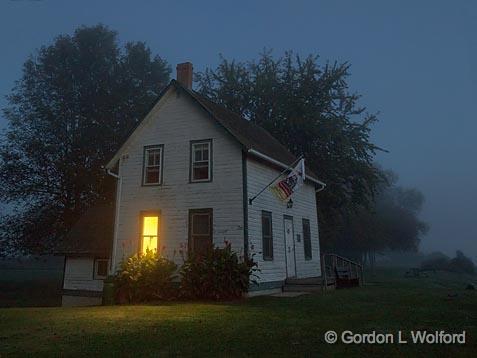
117	155
280	164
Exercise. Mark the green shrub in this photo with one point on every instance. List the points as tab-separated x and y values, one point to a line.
217	274
145	277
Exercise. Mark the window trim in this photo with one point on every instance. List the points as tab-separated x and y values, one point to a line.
270	216
161	166
95	268
143	214
211	152
310	256
209	211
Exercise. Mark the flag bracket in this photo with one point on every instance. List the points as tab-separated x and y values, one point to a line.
250	200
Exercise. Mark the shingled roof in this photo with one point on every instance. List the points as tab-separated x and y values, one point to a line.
92	234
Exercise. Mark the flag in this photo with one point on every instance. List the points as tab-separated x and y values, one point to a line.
293	181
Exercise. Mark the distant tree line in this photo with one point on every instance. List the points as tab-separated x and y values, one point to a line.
79	97
459	264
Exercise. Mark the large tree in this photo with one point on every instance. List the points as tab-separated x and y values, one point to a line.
75	103
309	108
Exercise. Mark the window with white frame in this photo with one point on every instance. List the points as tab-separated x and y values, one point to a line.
152	171
201	161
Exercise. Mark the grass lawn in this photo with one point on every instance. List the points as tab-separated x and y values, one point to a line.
258	326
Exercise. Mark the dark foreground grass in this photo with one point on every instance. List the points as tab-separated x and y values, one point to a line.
259	326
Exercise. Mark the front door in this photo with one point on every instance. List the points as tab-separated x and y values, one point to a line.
289	246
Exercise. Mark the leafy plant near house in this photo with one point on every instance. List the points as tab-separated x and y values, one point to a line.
217	274
145	277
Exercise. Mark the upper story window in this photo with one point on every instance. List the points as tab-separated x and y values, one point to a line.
152	171
201	161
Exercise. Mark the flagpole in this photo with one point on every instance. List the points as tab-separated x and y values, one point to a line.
250	201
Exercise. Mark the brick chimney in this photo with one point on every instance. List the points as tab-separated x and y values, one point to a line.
184	74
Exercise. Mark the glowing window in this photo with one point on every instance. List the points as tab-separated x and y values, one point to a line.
150	229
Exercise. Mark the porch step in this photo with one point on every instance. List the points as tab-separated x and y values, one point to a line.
311	284
304	281
302	288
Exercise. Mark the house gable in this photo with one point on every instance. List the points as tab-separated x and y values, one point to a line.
254	139
173	124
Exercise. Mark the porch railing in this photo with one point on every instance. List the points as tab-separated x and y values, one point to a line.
337	269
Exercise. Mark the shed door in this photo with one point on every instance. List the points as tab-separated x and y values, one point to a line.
289	246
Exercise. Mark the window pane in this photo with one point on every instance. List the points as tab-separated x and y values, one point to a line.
201	244
270	247
154	157
150	225
200	172
266	227
307	239
102	268
149	243
152	175
267	235
197	155
200	224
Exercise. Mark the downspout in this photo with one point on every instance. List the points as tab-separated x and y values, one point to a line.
112	174
245	203
323	186
112	266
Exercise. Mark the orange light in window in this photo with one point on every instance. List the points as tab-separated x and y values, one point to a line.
150	228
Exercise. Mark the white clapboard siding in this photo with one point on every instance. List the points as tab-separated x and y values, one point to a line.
174	124
304	206
79	275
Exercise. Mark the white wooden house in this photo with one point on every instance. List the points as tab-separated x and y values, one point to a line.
184	179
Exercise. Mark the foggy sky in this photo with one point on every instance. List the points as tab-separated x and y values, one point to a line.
413	61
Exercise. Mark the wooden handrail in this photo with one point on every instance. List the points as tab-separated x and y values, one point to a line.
336	262
344	259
